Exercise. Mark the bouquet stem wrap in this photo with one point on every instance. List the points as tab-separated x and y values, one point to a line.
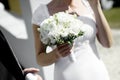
72	57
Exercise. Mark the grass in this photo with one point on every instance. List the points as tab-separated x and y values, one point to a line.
113	17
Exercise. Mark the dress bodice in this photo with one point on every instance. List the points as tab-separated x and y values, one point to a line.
89	26
89	29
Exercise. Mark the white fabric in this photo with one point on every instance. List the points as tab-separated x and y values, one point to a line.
39	14
88	66
1	6
86	3
31	76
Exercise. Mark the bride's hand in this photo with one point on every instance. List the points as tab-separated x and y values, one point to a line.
63	50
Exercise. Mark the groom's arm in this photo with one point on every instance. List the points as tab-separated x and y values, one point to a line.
9	60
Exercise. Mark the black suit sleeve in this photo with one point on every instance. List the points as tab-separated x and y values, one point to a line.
9	60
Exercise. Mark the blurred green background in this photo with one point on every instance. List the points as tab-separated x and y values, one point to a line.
113	17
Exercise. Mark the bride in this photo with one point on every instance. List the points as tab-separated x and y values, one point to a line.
88	65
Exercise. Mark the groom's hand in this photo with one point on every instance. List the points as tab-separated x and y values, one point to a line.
33	71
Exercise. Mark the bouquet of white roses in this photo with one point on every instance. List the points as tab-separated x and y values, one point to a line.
60	28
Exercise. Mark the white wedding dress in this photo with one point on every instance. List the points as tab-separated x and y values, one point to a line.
88	64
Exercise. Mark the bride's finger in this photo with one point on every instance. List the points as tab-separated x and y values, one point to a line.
65	53
32	70
64	48
62	45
